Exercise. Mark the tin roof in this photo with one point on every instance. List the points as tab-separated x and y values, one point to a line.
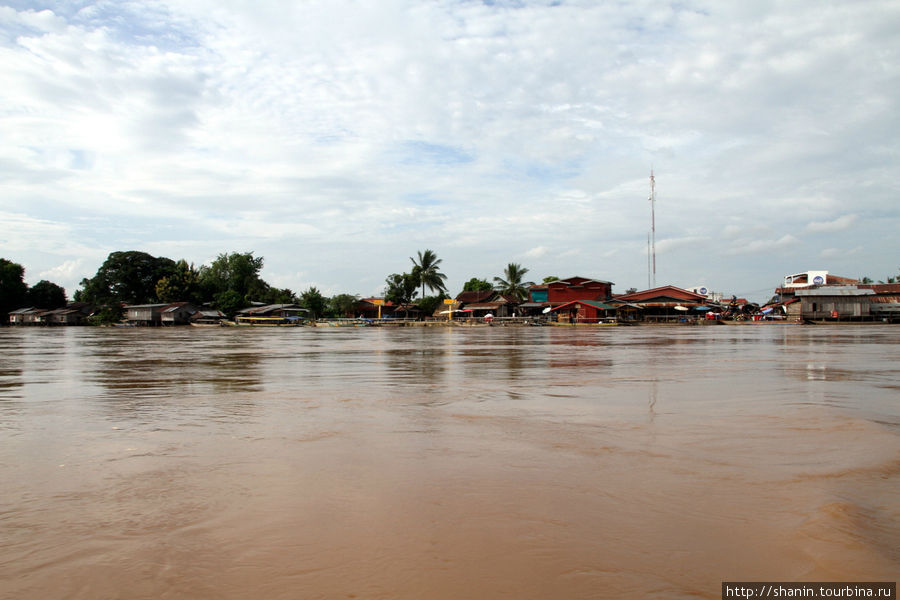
834	290
664	293
594	303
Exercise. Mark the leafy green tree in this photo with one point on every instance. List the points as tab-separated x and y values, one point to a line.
511	284
236	272
274	295
13	289
429	304
477	285
401	289
313	301
550	278
343	305
45	294
426	271
128	277
229	302
182	285
107	315
866	280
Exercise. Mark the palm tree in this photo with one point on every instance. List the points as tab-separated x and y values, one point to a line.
511	284
427	273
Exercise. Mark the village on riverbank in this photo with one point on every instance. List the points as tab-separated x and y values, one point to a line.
807	297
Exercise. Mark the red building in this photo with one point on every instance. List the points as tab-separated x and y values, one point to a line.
585	311
577	288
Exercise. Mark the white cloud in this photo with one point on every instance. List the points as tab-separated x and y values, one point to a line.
835	253
536	252
839	224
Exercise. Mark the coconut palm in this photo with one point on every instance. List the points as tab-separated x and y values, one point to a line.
427	273
511	283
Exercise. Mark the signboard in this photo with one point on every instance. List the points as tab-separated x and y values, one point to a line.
378	302
449	301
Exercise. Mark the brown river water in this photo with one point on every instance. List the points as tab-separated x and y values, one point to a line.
632	462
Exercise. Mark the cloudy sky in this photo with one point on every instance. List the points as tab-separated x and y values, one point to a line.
336	138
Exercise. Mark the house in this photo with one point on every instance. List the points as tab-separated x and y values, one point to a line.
26	316
480	304
820	296
585	311
74	313
144	314
271	313
281	311
546	296
374	308
577	288
662	304
177	313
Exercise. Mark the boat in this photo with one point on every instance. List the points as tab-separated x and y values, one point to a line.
344	323
245	321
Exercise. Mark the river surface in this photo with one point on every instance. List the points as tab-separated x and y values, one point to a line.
521	463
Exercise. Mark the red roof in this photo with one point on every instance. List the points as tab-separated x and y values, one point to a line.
470	297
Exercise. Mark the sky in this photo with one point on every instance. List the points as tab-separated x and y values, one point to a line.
338	138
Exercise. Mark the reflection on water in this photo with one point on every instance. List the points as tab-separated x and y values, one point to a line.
445	463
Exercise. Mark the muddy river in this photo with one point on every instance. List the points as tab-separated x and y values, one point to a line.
375	463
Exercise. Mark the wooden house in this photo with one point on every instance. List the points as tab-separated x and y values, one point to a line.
26	316
74	313
144	314
585	311
177	313
281	311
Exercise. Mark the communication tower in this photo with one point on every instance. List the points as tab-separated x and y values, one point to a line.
651	274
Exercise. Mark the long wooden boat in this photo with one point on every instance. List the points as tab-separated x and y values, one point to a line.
578	324
244	321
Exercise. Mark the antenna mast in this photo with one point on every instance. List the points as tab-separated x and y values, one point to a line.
653	227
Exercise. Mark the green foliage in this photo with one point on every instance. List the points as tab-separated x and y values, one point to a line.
13	289
511	284
426	271
183	285
550	278
866	280
128	277
279	296
107	315
401	288
343	305
313	301
234	272
45	294
229	302
429	304
477	285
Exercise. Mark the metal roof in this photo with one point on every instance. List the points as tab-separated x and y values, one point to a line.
834	290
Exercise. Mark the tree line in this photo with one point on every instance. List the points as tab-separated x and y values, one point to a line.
231	282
